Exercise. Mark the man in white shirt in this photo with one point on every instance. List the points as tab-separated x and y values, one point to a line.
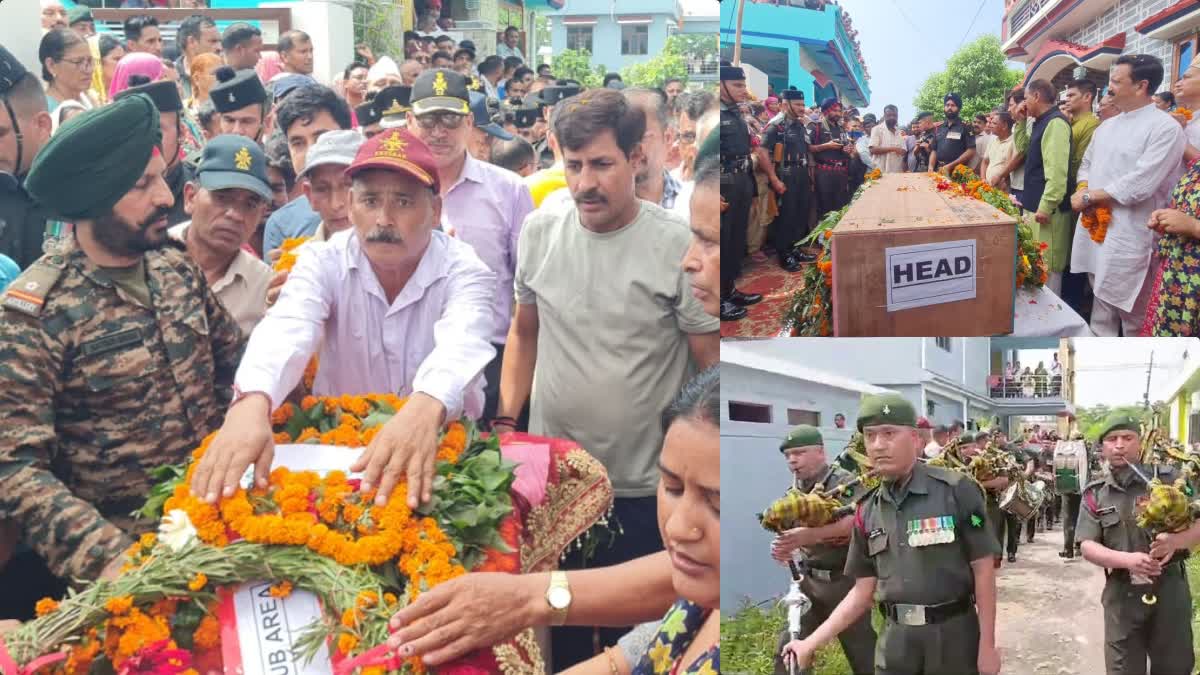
393	306
1130	166
886	143
226	201
983	138
509	47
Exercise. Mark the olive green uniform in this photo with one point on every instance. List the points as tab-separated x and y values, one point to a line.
918	539
1134	630
826	584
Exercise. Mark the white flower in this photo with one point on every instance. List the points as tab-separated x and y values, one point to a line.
176	530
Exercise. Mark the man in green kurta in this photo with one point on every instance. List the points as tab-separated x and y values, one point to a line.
1046	143
1080	94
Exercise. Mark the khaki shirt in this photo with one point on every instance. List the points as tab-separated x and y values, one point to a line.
890	537
243	289
824	556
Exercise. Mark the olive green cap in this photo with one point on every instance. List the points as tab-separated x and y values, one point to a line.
1120	421
966	437
886	409
802	437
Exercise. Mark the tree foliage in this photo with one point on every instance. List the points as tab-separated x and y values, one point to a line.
671	61
573	64
375	23
1090	419
977	73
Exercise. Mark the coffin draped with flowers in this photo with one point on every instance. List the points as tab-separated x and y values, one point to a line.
511	505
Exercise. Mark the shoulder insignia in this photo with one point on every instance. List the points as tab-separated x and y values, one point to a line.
27	293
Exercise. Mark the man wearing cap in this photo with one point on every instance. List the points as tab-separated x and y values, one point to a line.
954	140
165	96
545	101
822	551
327	186
485	130
786	143
393	103
241	102
737	192
227	200
553	178
920	546
831	150
368	301
25	126
80	20
1146	600
1012	522
369	117
483	203
115	357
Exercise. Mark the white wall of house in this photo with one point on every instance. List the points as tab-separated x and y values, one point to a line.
331	25
880	361
753	472
1122	17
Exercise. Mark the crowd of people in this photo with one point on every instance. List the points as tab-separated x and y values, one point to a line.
1017	382
1107	174
475	235
923	547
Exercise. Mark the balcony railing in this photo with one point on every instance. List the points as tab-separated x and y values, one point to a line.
1020	13
1037	387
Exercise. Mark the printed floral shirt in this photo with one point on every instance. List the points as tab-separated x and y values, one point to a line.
679	627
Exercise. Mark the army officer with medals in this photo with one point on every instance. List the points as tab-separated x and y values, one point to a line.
920	547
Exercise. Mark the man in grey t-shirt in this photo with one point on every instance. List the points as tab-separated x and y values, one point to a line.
606	328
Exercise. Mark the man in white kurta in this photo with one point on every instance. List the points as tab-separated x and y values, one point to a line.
1131	166
393	306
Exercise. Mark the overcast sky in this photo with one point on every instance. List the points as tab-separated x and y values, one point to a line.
904	41
1113	370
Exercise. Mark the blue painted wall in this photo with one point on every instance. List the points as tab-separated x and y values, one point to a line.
606	33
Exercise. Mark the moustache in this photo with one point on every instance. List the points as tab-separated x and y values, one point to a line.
383	235
153	218
590	197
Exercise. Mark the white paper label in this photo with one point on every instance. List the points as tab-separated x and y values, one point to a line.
930	274
268	627
319	458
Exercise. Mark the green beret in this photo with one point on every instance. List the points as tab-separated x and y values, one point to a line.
236	89
79	13
886	409
1119	421
95	158
966	438
163	93
802	437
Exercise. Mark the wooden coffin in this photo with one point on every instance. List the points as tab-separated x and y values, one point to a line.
950	259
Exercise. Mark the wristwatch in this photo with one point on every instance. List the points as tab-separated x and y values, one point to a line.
558	596
1086	198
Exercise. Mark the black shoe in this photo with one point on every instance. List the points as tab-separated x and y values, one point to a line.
1066	554
789	264
803	256
743	299
1012	557
731	312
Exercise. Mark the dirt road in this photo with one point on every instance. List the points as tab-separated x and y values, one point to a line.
1049	620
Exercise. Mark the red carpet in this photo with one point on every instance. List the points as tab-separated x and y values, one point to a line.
777	287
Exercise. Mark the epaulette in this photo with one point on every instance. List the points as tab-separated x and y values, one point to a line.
27	293
1089	497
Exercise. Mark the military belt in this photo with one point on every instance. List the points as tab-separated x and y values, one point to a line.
1174	564
829	166
922	615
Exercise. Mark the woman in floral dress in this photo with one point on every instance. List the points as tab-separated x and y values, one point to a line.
1173	310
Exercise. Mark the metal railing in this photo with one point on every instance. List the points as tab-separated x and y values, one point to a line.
1041	387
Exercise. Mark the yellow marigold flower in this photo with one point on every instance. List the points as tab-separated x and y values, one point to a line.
198	582
346	642
147	540
281	589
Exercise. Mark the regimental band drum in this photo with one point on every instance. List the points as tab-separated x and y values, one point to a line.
1070	466
1015	501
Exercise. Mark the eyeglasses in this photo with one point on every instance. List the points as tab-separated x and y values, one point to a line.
82	63
446	120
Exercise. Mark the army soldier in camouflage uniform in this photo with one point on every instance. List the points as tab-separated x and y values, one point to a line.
1158	627
921	547
824	550
115	357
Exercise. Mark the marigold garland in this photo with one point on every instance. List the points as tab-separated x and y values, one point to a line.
1096	219
1186	113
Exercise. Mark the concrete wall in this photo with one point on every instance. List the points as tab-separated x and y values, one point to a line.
1122	17
753	473
878	361
947	364
331	25
606	41
21	32
946	409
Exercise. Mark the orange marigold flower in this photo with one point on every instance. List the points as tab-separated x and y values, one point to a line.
119	606
45	606
147	540
281	590
208	633
346	642
282	414
198	582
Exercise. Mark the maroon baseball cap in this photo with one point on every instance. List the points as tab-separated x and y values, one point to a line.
397	150
923	423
